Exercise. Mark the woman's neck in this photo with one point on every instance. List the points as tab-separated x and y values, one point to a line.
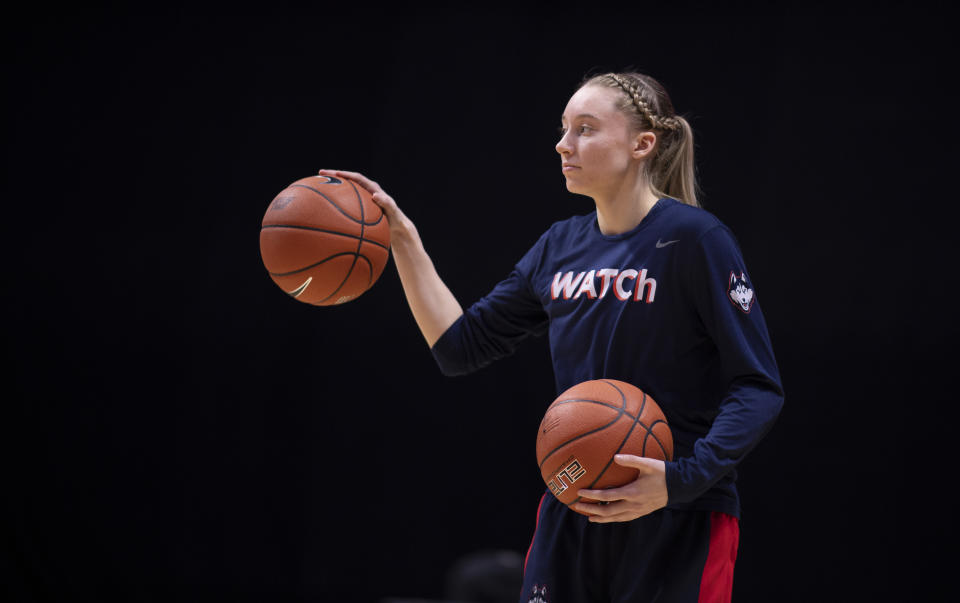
623	210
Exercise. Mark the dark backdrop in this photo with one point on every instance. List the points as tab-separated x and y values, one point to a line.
179	429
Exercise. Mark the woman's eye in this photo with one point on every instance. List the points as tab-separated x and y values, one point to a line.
580	130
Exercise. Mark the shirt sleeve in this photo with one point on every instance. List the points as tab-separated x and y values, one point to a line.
727	304
493	326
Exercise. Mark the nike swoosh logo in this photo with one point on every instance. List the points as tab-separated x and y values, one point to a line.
296	292
661	244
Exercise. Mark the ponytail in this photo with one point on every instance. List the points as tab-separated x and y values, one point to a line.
672	171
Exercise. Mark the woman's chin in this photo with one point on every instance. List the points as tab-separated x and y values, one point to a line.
576	188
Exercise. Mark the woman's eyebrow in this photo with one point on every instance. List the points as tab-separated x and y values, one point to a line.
581	115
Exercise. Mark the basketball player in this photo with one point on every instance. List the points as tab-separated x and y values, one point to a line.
649	289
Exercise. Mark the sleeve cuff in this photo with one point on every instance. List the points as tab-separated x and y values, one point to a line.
677	491
448	353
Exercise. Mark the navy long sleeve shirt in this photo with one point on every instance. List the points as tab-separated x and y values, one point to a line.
669	307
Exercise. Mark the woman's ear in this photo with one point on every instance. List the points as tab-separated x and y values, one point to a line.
644	144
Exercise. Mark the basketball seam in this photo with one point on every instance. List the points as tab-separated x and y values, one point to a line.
339	209
654	436
314	265
621	410
620	413
600	402
649	428
636	421
323	230
610	462
370	265
356	253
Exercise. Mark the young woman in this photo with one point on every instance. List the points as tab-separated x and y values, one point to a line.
648	289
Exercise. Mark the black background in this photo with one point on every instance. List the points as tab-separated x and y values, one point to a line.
179	429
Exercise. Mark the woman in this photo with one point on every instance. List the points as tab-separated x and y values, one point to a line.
648	289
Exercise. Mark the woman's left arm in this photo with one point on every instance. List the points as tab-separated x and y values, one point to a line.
727	305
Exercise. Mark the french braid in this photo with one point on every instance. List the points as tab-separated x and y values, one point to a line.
633	91
670	170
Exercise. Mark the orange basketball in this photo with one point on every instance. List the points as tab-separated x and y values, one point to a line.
324	241
590	423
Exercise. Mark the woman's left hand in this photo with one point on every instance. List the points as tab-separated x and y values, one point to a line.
643	495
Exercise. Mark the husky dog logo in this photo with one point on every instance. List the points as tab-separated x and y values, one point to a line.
539	594
740	291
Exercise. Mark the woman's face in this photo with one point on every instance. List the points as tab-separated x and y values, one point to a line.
597	143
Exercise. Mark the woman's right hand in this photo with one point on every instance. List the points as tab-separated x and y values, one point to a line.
434	306
401	227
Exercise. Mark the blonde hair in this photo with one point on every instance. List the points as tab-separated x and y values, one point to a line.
648	106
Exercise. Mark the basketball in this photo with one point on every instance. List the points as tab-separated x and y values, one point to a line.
324	241
590	423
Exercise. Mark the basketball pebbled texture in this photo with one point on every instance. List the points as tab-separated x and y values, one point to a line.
324	241
587	425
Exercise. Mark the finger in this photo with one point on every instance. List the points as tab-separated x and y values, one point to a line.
357	177
603	508
382	198
641	463
594	509
628	516
584	508
385	202
608	495
332	172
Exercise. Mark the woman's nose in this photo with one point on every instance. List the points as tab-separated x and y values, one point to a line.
563	147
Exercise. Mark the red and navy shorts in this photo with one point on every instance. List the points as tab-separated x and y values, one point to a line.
669	556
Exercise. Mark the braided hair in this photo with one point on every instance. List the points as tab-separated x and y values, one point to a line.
647	104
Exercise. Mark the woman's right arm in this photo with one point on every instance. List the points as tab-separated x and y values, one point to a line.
433	305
